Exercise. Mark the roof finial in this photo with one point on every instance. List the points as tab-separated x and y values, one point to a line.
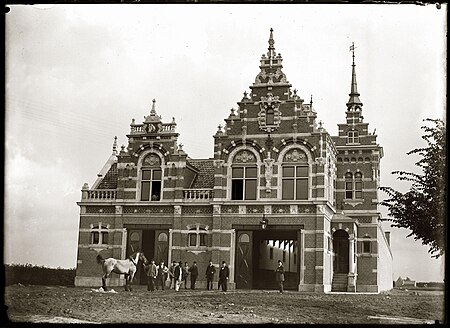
271	52
153	110
115	146
311	100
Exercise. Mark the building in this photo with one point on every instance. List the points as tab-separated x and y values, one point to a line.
279	186
405	282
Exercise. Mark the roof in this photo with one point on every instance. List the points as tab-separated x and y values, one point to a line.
110	179
205	176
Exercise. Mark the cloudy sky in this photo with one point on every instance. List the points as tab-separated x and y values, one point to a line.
76	75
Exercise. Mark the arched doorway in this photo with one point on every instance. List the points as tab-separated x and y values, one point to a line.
340	247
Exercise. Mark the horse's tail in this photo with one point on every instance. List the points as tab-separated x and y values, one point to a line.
100	259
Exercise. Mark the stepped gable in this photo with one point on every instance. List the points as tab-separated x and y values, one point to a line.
110	179
205	176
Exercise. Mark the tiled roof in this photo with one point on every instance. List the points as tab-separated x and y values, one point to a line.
110	179
205	177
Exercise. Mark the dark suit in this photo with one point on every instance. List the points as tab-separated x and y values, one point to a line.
224	273
210	271
279	276
194	274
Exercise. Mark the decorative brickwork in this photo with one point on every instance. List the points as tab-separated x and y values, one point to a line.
279	186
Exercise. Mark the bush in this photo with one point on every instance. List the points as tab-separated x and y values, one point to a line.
28	274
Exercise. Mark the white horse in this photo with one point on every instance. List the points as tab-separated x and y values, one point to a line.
126	267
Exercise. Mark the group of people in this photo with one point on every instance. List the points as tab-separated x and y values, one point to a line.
177	274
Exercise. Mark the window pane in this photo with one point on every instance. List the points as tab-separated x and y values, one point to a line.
104	238
202	239
238	172
250	172
95	237
358	194
366	246
145	190
302	189
146	174
269	117
250	189
358	185
237	189
302	171
156	190
348	175
288	189
348	186
288	171
349	194
271	253
192	239
358	175
156	174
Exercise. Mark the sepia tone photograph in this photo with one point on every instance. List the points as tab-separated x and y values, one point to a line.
225	163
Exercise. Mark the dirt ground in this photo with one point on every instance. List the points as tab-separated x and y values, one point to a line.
85	305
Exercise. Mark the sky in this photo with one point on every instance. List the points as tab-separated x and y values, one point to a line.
76	75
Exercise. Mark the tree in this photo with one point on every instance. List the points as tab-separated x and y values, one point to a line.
423	208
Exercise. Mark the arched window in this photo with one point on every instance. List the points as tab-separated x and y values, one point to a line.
295	172
197	236
244	173
99	234
352	137
151	177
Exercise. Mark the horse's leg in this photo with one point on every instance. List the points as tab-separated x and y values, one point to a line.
131	281
104	282
126	282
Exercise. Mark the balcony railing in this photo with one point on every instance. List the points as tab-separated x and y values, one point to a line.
198	194
140	128
101	194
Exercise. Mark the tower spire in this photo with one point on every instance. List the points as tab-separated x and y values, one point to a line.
354	101
153	110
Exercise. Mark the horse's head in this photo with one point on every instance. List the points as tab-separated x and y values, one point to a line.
143	258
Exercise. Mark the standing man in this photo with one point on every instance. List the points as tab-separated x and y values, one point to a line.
279	275
171	269
224	273
177	275
185	274
152	274
161	276
194	274
210	271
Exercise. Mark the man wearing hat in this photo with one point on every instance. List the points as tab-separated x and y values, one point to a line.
224	273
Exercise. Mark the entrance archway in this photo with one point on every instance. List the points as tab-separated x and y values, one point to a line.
257	254
340	248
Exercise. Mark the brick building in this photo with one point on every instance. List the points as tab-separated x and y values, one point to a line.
279	186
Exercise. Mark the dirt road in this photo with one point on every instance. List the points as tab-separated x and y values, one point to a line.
76	304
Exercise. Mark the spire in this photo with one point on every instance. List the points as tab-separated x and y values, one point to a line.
271	67
354	101
153	110
271	53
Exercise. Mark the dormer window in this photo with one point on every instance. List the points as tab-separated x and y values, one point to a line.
352	137
151	178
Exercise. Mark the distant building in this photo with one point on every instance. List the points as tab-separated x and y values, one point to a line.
405	282
279	187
